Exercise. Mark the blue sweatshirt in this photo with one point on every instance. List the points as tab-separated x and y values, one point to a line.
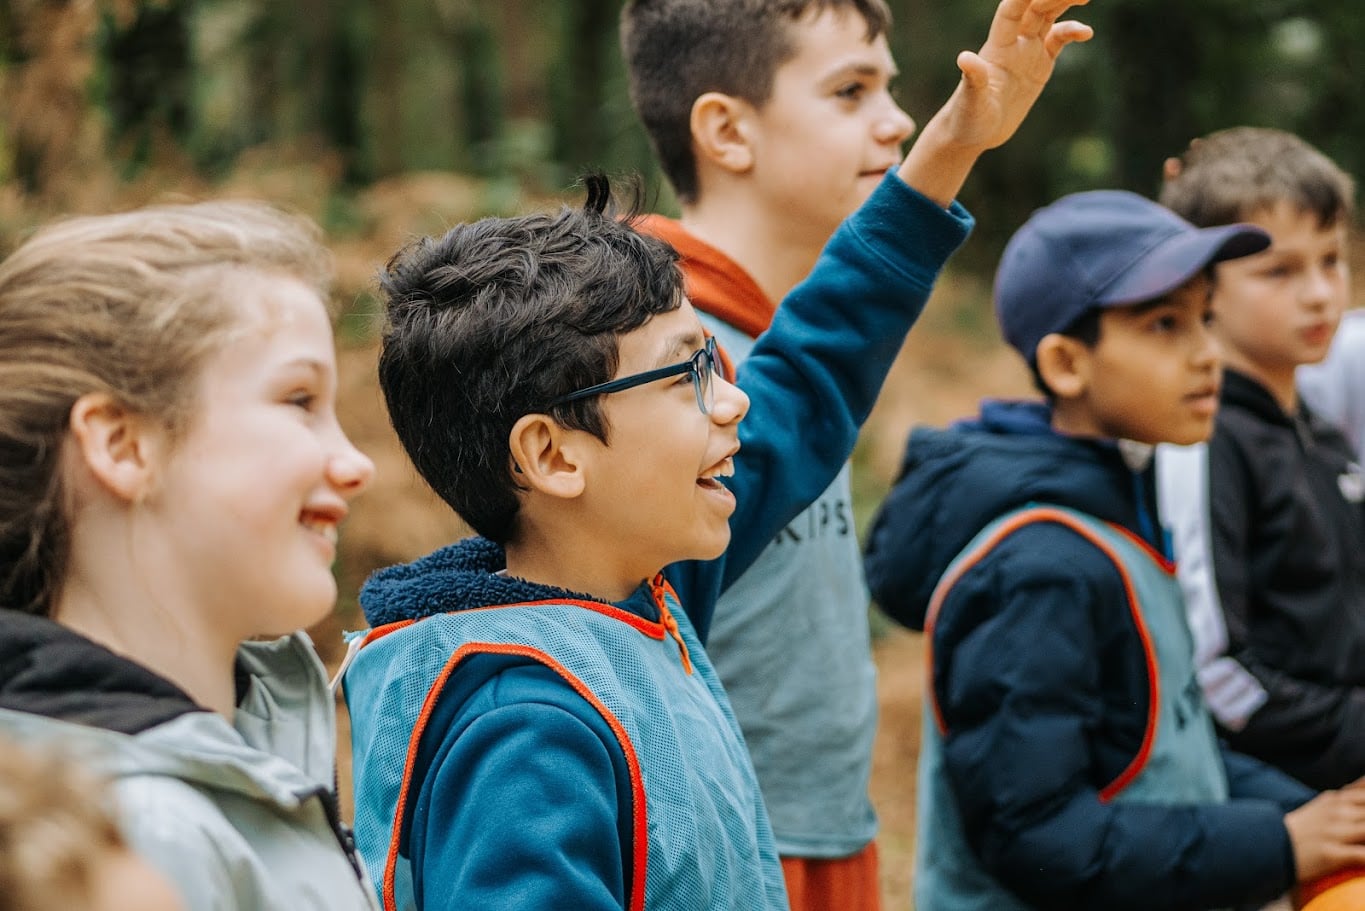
523	797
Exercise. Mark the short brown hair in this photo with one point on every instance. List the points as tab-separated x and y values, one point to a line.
128	304
1230	175
678	50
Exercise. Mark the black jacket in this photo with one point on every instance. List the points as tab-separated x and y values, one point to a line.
1281	624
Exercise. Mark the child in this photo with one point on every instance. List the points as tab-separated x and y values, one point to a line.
1270	518
1067	760
535	722
1335	388
773	122
60	847
172	476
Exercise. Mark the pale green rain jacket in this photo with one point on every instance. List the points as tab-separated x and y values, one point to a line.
239	815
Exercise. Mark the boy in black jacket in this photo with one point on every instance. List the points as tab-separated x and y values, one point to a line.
1269	520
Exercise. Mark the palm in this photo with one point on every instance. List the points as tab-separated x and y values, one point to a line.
1002	81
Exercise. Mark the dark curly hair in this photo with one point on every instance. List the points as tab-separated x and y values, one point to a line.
496	319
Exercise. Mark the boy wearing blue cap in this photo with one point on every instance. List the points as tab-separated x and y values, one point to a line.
1067	757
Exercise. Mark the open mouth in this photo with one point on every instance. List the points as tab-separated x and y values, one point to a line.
710	480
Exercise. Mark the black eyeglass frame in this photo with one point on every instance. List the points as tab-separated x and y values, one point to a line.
703	365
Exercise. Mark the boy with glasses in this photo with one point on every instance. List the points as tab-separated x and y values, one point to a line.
535	722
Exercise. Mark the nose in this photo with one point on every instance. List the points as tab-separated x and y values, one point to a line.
1208	351
894	126
348	469
1320	287
731	402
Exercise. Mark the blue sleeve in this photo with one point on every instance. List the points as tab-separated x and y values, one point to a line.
1033	675
814	375
519	802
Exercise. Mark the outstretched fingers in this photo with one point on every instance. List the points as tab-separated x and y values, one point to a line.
1015	19
1064	33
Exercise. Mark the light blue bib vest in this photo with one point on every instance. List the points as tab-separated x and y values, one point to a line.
702	839
1179	761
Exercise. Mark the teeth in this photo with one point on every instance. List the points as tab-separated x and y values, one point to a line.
725	469
326	529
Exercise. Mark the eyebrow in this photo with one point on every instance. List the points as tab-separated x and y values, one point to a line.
679	347
307	363
862	69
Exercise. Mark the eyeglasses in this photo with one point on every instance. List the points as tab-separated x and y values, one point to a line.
702	366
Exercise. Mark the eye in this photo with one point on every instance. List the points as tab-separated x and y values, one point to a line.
1330	260
302	399
1208	318
1166	323
854	91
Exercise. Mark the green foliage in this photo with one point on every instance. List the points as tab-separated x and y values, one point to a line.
529	93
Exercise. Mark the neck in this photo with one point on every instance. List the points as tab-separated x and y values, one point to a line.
778	252
1279	383
566	561
1072	421
104	599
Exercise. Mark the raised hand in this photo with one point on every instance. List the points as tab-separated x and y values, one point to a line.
999	85
1001	81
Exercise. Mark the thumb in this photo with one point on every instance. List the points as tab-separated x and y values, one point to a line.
974	70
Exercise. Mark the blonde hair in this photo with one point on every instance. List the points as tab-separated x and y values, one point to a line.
130	305
56	824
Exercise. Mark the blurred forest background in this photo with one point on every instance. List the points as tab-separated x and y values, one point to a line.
384	119
524	94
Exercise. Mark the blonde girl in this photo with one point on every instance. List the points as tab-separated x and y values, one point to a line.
172	476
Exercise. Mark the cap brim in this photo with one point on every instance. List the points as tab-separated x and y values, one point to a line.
1177	259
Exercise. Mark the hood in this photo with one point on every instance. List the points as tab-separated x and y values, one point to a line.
955	481
51	671
461	576
126	720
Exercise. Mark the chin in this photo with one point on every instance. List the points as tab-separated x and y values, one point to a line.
1193	436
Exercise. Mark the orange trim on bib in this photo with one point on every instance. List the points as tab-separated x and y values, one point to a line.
639	821
1047	514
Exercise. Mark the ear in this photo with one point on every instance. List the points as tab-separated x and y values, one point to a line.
547	457
720	132
1064	364
116	446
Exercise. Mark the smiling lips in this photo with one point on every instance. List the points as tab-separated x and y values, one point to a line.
1205	399
323	521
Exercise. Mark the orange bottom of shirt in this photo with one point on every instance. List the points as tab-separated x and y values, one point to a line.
834	884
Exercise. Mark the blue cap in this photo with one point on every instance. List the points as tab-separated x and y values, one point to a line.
1103	248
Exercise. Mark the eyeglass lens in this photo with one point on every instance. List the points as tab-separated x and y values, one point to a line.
704	367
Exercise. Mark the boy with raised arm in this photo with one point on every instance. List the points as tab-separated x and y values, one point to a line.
535	721
774	121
